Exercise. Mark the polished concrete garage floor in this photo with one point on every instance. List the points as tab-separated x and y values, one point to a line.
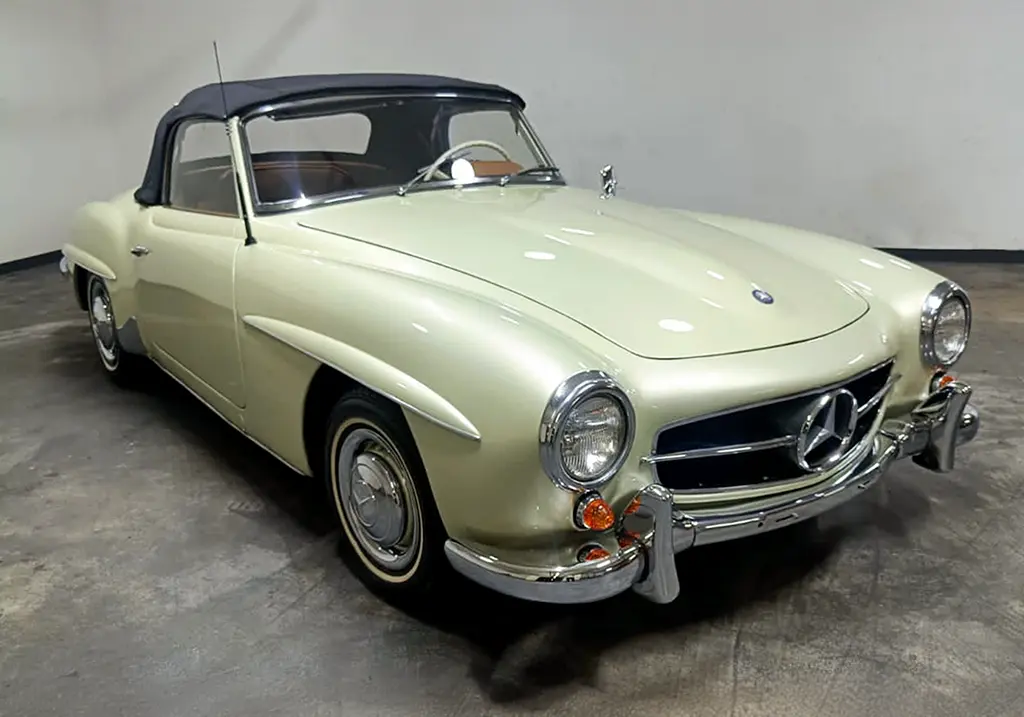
152	562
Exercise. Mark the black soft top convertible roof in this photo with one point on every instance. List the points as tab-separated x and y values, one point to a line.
207	102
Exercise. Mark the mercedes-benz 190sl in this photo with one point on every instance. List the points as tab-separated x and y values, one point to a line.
386	282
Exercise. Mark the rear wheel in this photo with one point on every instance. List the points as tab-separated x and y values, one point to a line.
119	365
382	497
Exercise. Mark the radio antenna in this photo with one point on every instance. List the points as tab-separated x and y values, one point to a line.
249	238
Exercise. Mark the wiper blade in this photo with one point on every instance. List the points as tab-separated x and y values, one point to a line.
539	169
422	173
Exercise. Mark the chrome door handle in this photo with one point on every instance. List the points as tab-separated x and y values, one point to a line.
139	250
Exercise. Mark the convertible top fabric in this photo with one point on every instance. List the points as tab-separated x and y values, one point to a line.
208	102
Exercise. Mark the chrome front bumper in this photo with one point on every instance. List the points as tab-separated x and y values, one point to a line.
656	530
64	267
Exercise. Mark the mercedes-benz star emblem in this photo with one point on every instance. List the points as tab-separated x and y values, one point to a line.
763	296
827	431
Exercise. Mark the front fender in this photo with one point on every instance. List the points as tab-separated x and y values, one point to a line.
885	281
473	374
370	371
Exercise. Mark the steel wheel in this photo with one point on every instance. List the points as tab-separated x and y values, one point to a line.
101	321
377	500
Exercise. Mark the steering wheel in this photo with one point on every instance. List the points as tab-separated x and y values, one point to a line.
432	169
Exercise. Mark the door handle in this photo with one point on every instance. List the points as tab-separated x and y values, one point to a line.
139	250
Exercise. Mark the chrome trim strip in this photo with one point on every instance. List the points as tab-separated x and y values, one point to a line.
931	433
944	291
852	455
769	444
337	96
472	434
270	208
768	402
882	393
569	394
580	583
780	442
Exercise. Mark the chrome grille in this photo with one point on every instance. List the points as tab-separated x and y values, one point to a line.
752	446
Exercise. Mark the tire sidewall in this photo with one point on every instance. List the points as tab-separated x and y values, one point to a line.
97	285
363	409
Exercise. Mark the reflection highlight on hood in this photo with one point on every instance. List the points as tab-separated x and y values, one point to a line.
657	284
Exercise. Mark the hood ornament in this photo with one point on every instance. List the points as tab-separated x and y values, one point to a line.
608	182
763	296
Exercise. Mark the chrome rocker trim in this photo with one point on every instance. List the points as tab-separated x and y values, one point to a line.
929	435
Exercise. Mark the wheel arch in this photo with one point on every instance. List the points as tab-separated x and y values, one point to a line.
326	388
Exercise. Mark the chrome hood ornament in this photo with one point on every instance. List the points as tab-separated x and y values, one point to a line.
608	182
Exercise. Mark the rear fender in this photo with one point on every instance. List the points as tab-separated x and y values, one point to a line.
99	245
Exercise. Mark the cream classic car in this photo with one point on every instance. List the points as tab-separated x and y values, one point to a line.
385	282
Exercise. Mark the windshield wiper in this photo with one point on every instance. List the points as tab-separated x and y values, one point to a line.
539	169
412	182
422	173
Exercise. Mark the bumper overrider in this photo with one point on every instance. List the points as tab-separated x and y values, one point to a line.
645	561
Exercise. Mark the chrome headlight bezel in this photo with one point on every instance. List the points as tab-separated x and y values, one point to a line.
571	393
939	297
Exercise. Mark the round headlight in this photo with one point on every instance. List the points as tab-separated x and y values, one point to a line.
586	431
945	325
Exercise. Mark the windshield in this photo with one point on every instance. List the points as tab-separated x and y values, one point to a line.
307	154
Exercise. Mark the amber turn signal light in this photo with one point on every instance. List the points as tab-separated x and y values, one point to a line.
592	552
941	380
594	513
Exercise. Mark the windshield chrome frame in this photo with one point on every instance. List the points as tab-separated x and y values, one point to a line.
268	208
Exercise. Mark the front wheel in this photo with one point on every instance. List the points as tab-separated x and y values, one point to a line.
382	497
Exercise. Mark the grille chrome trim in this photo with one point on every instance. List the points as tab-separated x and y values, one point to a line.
767	402
882	393
780	442
772	443
854	454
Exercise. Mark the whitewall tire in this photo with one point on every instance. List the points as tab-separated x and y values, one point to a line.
382	498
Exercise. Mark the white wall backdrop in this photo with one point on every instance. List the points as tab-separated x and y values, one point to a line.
890	123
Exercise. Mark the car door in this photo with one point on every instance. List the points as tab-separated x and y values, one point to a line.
185	261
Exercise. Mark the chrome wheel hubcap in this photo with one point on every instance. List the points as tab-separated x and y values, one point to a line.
379	499
101	317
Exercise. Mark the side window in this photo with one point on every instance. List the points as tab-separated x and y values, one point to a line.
201	177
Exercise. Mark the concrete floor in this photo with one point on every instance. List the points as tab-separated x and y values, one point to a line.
152	562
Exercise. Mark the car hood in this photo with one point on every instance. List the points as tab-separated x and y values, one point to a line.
658	283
